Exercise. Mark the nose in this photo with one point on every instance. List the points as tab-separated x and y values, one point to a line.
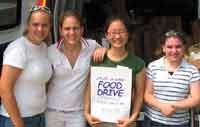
117	35
174	50
40	28
71	31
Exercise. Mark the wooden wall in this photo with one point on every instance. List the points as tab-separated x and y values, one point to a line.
145	38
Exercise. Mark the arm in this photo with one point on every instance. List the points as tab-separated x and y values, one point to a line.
192	100
99	54
8	79
137	100
86	99
139	95
91	120
166	109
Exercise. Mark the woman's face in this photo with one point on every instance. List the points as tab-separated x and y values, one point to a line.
173	49
117	34
38	27
71	30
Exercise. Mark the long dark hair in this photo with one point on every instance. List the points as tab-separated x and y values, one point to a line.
115	18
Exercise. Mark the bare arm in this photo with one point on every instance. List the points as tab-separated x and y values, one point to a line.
148	94
137	100
91	120
193	99
138	95
87	98
8	79
98	54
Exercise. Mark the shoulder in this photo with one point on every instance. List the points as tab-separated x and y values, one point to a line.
91	43
52	47
16	53
53	52
18	43
156	63
189	66
136	60
16	47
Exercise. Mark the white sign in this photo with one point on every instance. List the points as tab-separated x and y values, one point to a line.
111	93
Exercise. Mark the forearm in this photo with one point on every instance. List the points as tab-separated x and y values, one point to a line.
187	103
193	98
86	101
10	104
152	101
137	105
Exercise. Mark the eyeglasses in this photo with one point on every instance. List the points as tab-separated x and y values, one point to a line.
43	8
121	32
173	33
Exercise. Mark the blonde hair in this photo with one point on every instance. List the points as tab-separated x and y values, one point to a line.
25	32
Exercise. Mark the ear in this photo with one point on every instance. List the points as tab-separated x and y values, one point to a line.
163	48
107	36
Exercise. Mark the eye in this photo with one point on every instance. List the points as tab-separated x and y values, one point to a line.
75	28
35	24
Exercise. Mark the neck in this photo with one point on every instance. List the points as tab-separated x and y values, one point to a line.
117	54
172	65
72	47
32	40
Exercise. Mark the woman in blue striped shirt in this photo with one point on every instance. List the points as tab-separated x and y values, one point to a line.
172	85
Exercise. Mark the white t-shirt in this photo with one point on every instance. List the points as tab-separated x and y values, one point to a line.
30	89
67	84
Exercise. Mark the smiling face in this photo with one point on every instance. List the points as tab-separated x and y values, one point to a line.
71	30
173	49
117	34
38	27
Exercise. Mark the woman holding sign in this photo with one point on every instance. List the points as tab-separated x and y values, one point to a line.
117	34
172	86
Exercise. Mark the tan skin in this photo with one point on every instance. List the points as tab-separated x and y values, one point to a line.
72	32
38	29
174	51
118	36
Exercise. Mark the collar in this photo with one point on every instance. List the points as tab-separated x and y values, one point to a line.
84	43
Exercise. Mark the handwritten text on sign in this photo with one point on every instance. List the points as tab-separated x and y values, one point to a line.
110	93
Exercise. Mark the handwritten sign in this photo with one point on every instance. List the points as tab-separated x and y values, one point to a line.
111	93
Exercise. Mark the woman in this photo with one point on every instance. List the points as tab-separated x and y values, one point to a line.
71	61
25	71
117	34
172	86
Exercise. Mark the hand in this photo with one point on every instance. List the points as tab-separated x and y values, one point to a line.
92	120
99	54
167	109
123	122
21	124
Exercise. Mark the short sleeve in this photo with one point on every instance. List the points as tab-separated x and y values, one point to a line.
140	65
195	75
149	72
15	56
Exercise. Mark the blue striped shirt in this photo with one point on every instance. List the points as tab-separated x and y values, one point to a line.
169	88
